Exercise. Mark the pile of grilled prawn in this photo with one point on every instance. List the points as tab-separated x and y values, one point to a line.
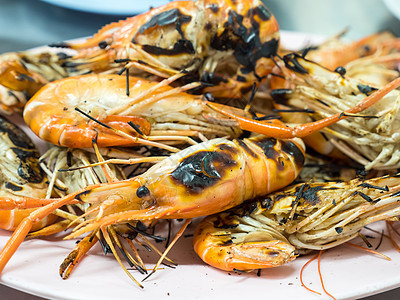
156	91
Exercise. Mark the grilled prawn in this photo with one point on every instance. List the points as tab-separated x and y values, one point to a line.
23	73
335	52
274	230
86	172
370	138
227	45
62	112
200	180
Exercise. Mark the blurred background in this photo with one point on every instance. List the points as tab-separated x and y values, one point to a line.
30	23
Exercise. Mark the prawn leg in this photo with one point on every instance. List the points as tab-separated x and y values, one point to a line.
49	230
76	255
25	226
278	129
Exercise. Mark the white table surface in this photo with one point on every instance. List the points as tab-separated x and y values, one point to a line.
29	23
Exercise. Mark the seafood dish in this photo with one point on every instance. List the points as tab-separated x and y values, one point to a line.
191	129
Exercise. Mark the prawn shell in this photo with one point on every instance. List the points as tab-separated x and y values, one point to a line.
20	174
52	116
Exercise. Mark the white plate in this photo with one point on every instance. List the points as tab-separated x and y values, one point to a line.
348	272
109	7
394	7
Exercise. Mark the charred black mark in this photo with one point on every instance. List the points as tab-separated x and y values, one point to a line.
208	26
366	89
24	77
227	243
281	96
266	203
311	195
339	229
210	79
68	64
299	194
263	12
214	8
63	55
15	134
245	42
280	164
122	60
173	16
267	145
181	46
202	169
244	90
241	78
246	148
207	168
292	63
142	191
60	45
84	193
293	150
219	223
227	148
273	253
28	168
306	50
12	186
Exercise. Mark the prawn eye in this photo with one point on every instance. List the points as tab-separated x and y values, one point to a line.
340	70
142	191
